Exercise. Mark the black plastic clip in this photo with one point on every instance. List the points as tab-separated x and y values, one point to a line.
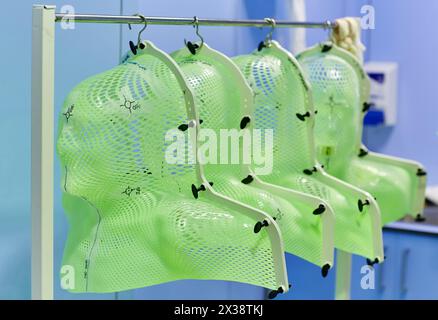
310	171
325	269
420	218
302	117
319	210
367	106
261	46
372	262
248	179
274	293
362	153
133	47
243	123
196	190
192	47
361	204
183	127
326	47
259	225
421	172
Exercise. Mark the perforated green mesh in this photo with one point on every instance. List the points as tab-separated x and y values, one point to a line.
223	99
283	102
336	89
133	219
340	90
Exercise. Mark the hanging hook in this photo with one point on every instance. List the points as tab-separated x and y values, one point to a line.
268	39
329	27
143	29
193	46
139	44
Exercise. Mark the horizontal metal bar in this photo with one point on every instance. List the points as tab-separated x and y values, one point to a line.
132	19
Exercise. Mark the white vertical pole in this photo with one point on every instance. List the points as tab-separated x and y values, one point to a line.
343	275
43	55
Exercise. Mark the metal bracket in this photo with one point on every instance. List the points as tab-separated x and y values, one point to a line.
43	65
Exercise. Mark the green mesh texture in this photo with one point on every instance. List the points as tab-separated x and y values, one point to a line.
392	186
339	89
336	96
281	92
220	105
133	219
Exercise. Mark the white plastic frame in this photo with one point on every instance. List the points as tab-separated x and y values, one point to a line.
373	209
409	165
328	218
343	270
274	232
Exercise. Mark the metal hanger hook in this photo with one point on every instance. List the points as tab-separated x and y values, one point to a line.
139	44
143	29
273	24
329	28
193	47
196	25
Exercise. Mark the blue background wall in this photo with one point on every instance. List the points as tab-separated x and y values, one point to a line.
90	49
416	134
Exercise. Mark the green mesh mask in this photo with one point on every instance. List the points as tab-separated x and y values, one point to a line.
283	102
133	219
225	102
341	91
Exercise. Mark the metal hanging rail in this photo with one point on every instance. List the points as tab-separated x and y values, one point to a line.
135	19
